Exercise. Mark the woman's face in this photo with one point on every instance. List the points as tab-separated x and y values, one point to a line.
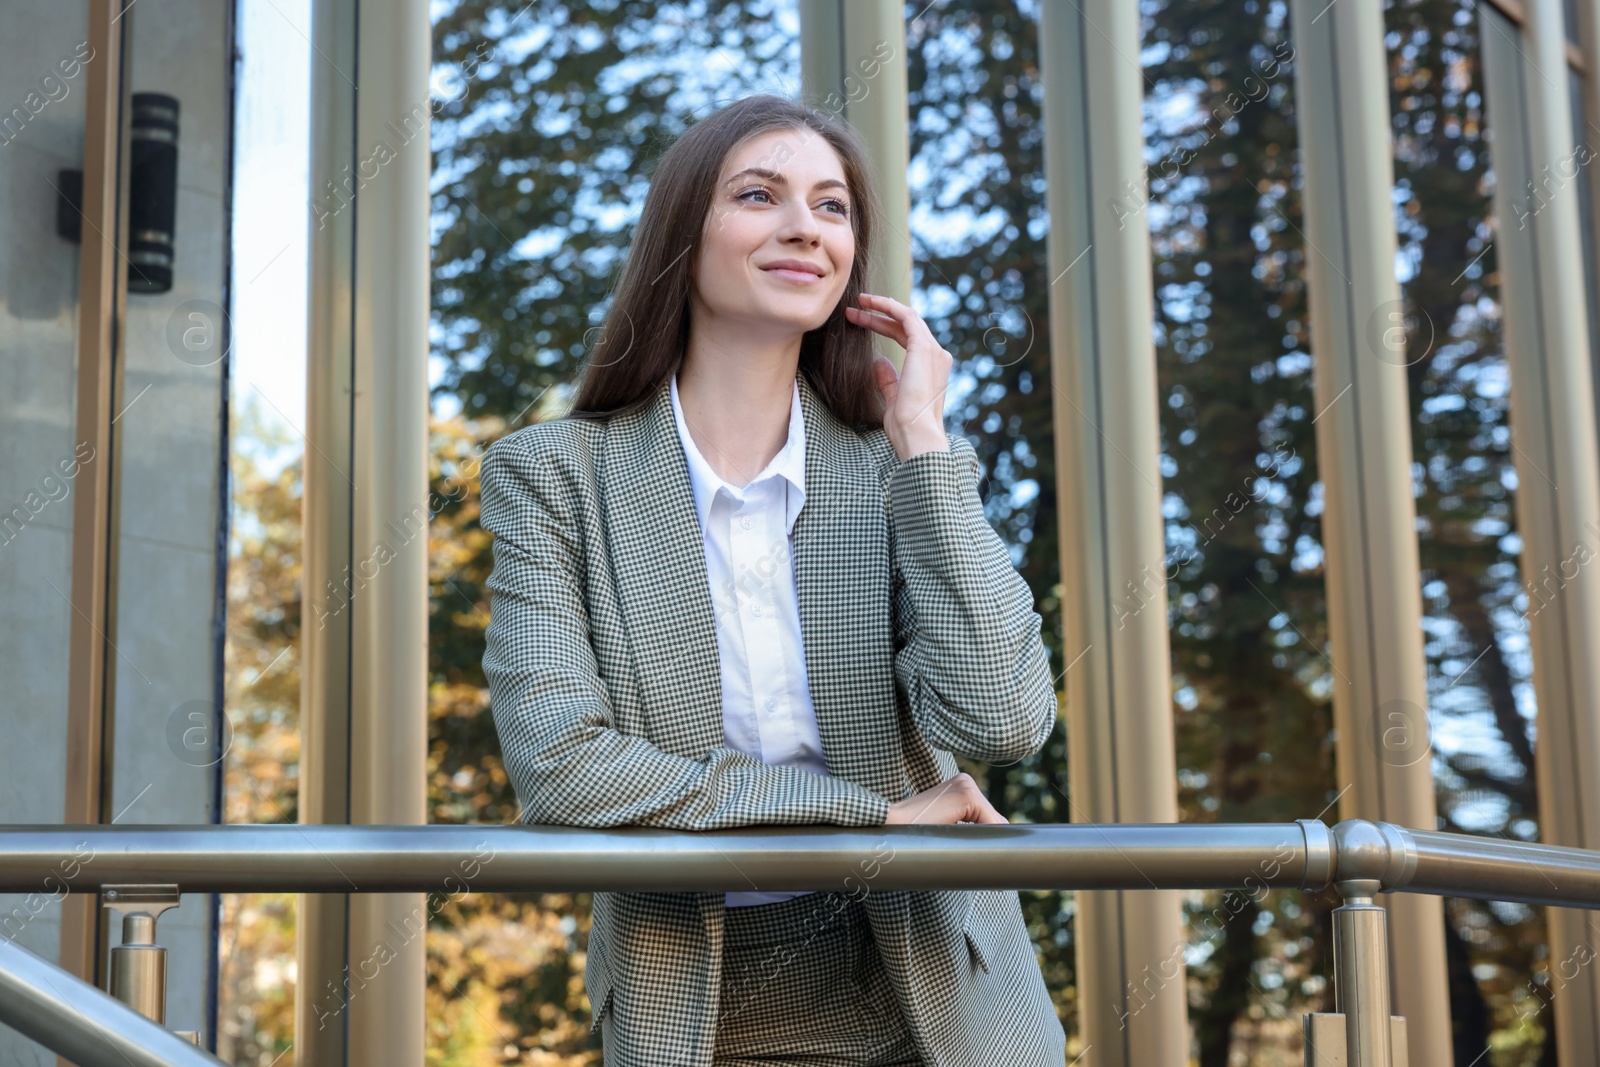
781	196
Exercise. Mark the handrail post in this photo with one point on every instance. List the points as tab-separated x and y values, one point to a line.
138	973
1361	974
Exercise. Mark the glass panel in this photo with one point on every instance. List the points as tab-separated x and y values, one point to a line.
1482	703
548	118
172	424
256	977
978	231
1244	560
43	71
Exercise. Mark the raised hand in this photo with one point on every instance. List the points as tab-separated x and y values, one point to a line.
913	399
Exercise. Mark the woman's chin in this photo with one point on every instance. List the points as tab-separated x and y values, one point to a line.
796	320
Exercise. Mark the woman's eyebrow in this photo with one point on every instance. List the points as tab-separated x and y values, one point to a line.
777	179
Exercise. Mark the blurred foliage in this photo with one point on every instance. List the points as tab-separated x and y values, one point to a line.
505	972
256	955
549	119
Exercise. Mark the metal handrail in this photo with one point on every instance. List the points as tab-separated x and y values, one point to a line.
389	859
1484	868
90	1027
1358	857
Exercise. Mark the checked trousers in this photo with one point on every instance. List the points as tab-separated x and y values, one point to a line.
803	984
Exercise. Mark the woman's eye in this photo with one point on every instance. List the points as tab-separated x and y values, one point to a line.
843	208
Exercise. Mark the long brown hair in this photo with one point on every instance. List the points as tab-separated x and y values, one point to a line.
646	329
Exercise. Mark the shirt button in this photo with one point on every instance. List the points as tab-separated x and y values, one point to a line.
755	611
772	703
745	522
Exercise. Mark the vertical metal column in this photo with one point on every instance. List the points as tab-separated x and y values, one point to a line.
1132	1006
321	936
1546	340
853	64
1361	976
1583	74
1586	123
1380	694
102	300
360	998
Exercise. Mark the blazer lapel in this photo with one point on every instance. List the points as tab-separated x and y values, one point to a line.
841	561
658	557
842	575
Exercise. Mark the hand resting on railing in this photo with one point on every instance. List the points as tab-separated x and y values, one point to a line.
954	800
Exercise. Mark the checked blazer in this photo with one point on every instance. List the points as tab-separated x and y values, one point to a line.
920	641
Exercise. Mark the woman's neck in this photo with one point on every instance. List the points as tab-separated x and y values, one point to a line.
736	403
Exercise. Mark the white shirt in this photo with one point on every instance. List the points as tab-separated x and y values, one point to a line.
749	546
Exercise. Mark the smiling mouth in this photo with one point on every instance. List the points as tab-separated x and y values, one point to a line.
801	277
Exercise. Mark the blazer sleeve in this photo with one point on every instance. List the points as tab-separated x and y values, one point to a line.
563	753
967	649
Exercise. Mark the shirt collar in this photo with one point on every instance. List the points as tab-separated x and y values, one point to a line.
789	464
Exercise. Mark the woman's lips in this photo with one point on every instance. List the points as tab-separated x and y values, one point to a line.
802	277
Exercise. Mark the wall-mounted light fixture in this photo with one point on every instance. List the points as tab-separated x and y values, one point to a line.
152	194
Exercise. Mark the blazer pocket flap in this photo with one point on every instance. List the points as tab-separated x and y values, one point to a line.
972	941
600	1012
597	984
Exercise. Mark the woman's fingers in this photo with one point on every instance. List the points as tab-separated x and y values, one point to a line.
979	809
877	322
992	816
926	362
911	324
955	800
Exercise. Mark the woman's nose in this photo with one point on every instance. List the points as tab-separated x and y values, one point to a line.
799	221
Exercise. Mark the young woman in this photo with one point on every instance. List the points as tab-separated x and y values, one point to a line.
748	580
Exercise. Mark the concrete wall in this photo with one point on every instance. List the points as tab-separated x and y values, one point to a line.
171	493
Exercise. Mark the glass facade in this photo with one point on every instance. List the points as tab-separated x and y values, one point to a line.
225	700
